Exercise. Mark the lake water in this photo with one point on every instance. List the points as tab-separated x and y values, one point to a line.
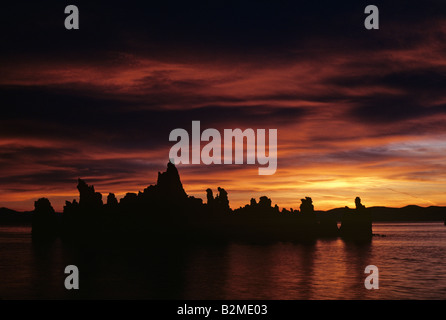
411	261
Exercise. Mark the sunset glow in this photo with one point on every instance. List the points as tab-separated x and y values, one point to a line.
357	119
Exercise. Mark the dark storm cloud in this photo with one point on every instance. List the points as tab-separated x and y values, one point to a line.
13	153
381	109
33	168
70	116
427	82
417	94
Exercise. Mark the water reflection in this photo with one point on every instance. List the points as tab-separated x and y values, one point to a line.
357	257
281	271
410	261
330	269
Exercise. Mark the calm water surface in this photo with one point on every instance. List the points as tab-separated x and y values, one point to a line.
411	261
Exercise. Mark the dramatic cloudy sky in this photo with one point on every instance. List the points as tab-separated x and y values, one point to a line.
358	112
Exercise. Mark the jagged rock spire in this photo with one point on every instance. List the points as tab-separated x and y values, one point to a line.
88	197
169	183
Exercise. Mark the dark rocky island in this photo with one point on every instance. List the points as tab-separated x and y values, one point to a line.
164	213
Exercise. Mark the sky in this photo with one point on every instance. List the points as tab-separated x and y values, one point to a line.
358	112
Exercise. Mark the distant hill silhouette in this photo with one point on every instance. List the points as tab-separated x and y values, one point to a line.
409	213
165	213
9	216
